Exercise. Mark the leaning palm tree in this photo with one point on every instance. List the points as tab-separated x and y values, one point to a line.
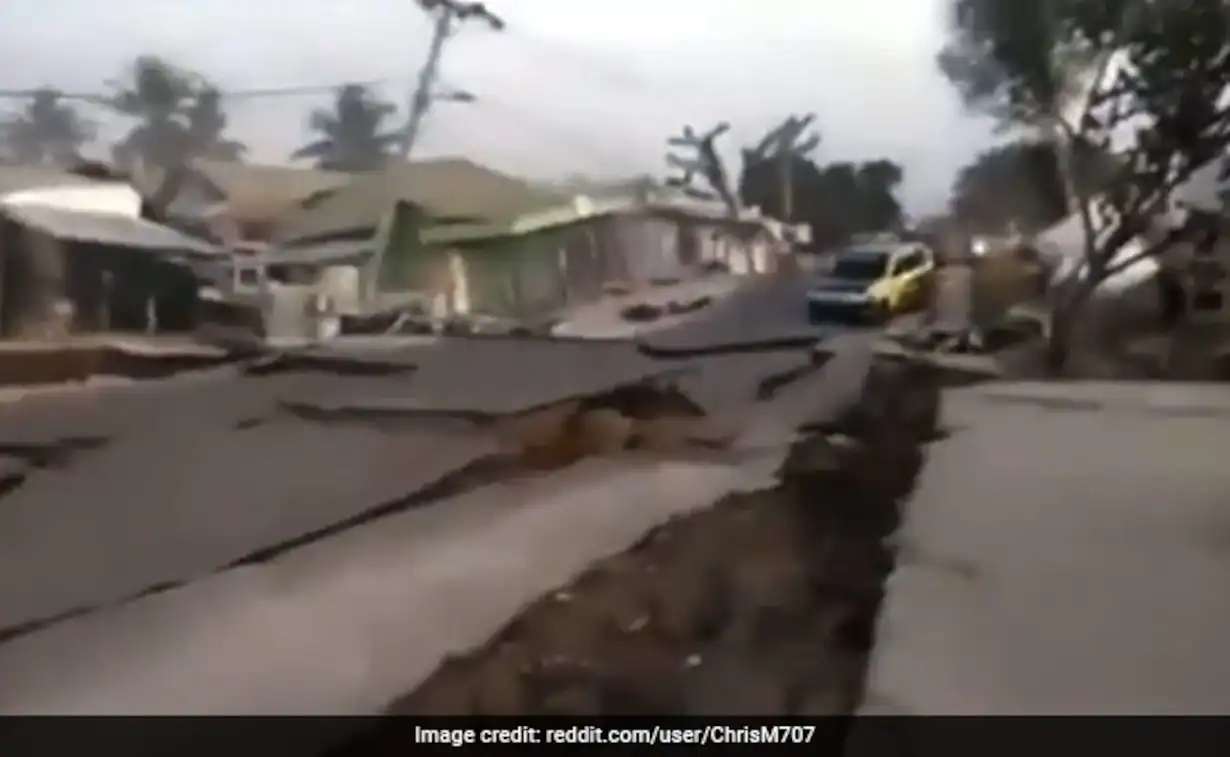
179	118
352	132
46	131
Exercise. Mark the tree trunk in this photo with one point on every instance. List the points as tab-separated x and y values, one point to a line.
1059	343
157	207
1064	314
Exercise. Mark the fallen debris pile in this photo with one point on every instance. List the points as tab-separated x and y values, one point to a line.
764	604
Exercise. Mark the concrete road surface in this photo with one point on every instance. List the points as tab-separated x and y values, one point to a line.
1067	552
767	311
345	625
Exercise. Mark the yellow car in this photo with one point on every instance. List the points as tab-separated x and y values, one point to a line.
871	283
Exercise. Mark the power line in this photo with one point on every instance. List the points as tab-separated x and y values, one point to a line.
579	138
600	67
237	94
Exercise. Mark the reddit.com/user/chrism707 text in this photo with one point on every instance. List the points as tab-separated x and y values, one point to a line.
595	734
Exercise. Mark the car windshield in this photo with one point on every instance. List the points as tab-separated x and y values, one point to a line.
860	266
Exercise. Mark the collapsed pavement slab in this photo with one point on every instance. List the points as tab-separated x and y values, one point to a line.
493	376
145	512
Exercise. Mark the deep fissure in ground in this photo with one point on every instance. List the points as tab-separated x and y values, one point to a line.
764	604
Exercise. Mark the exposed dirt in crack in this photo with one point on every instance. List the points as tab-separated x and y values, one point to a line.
764	604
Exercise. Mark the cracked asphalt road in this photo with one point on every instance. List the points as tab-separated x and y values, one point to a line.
89	536
767	312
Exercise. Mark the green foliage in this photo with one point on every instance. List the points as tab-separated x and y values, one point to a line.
352	132
1142	80
1145	79
1012	60
46	130
179	117
838	200
1018	185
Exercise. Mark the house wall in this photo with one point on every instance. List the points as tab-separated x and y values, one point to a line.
763	251
119	289
541	272
518	276
647	244
32	283
52	287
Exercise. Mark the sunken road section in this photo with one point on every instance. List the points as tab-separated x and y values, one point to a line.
763	604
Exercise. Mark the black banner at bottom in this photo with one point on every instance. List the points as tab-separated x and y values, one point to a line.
848	737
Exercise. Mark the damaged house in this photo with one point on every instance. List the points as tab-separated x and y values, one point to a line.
571	253
76	256
477	241
239	204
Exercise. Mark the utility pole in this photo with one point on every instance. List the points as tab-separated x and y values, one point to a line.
448	14
783	146
704	162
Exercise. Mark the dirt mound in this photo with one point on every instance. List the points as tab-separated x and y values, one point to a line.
764	604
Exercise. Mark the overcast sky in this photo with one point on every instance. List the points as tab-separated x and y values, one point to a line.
571	87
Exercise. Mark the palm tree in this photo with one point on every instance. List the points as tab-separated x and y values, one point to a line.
180	118
157	96
46	131
207	127
352	134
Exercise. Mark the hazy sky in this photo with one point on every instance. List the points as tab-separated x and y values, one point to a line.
591	87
